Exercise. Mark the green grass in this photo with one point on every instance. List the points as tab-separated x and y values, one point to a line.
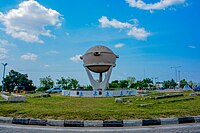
1	98
62	107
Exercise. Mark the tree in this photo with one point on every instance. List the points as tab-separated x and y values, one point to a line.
173	84
87	87
148	81
183	82
169	84
68	83
63	83
139	84
166	84
74	83
114	84
14	79
191	84
46	82
133	85
123	83
130	80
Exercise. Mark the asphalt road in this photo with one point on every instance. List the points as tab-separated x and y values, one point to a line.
181	128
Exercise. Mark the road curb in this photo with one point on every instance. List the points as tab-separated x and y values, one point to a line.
100	123
150	122
165	121
74	123
37	122
59	123
197	119
23	121
111	123
187	119
94	123
6	120
130	123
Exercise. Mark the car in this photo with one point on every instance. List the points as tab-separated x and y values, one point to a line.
54	90
197	88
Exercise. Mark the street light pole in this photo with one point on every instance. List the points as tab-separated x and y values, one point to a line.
4	70
176	67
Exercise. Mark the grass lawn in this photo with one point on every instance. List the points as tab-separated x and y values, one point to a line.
66	108
1	98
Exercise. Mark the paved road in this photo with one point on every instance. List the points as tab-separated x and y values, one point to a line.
183	128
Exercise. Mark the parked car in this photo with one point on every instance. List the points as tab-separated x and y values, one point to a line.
197	88
54	90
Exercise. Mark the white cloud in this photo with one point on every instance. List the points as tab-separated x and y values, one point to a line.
29	21
119	45
5	43
192	46
52	52
113	23
76	58
29	57
136	21
3	53
139	33
67	33
133	30
46	66
162	4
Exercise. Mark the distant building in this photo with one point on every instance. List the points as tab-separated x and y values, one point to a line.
159	84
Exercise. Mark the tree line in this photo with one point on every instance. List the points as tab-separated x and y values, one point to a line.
15	78
147	83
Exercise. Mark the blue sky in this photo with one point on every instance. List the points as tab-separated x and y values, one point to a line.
44	38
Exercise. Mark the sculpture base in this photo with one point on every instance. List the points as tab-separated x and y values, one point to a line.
105	93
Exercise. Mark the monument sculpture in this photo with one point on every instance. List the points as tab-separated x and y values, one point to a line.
101	60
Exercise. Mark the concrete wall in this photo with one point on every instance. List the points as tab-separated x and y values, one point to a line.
14	98
106	93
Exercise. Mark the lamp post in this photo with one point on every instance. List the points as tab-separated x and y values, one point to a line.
4	69
176	67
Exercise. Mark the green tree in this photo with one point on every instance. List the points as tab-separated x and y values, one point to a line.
15	78
87	87
169	84
130	80
173	84
191	84
133	85
139	84
166	84
68	83
114	84
73	83
46	82
63	83
148	81
123	84
183	82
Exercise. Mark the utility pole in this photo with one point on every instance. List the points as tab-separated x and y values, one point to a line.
156	79
4	70
176	67
179	75
186	74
